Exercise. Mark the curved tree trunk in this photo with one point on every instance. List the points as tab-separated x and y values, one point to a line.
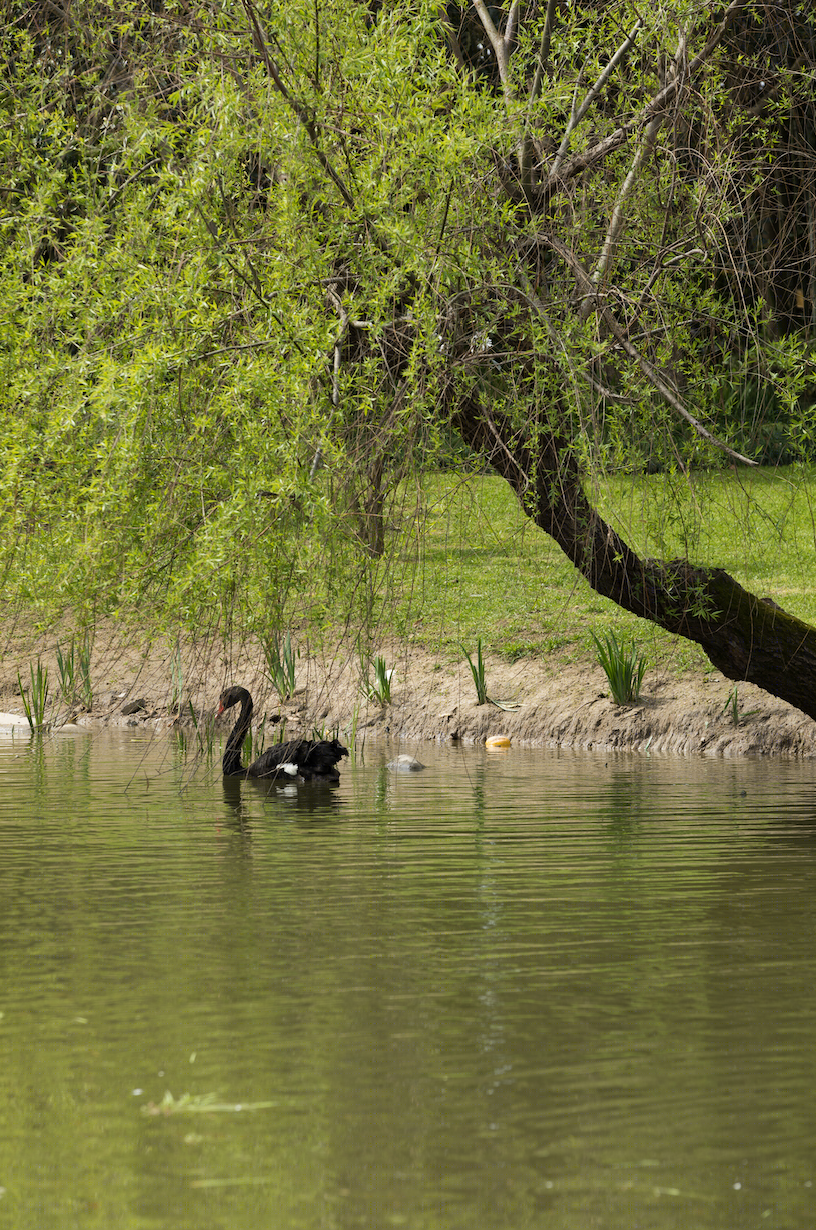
745	637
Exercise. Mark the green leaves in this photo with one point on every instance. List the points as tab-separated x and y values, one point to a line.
238	262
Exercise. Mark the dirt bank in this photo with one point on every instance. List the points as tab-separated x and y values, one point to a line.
554	705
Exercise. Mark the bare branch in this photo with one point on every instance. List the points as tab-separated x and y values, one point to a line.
513	18
500	47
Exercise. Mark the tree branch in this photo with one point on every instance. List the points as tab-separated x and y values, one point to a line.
501	44
544	51
651	373
616	221
598	152
589	98
302	113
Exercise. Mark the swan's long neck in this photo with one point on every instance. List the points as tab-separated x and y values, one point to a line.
231	761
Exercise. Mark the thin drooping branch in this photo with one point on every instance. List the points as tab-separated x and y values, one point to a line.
296	106
661	386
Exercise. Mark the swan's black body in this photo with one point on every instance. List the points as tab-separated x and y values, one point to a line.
296	760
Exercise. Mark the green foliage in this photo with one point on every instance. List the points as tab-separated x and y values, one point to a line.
375	679
624	666
236	317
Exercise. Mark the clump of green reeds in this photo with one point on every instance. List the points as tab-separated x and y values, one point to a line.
375	679
623	665
204	732
74	668
732	705
176	682
281	657
35	700
477	670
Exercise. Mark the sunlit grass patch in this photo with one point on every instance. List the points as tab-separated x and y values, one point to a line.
483	570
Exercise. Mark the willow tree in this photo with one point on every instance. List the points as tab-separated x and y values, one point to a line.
560	234
564	257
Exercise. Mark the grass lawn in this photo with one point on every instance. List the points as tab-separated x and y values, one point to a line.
477	568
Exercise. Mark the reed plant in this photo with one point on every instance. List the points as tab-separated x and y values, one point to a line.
257	740
74	669
477	670
732	706
204	731
281	657
378	687
352	733
176	682
623	665
35	700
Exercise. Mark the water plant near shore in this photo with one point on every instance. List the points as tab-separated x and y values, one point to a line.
477	670
623	665
377	688
176	702
74	668
35	700
280	662
732	706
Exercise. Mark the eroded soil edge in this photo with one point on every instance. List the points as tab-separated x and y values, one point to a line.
433	699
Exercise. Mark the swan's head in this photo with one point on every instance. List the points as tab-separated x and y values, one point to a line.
231	696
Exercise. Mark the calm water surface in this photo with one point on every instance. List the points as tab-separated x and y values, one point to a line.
517	990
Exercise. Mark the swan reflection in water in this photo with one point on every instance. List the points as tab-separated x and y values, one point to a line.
313	801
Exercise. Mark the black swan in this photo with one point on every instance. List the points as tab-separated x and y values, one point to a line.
306	760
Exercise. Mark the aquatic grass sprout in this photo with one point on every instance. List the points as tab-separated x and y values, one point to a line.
35	700
204	732
477	670
280	662
377	688
732	706
623	665
74	668
176	682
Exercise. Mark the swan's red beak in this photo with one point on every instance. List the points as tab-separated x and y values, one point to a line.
220	710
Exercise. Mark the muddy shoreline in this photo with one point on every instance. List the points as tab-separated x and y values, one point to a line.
550	704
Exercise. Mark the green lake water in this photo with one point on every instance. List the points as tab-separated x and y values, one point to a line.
520	989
